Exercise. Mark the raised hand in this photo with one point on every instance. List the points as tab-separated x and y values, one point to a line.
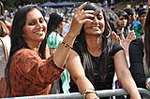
80	17
125	42
115	38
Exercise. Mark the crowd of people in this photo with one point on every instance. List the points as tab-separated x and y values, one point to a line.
95	50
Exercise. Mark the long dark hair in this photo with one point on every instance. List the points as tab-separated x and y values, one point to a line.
17	39
147	38
53	23
80	44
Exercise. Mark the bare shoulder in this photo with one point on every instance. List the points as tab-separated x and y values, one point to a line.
73	54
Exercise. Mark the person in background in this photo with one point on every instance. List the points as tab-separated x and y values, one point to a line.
5	42
126	35
4	53
30	69
131	17
99	56
121	24
139	56
66	26
138	24
55	28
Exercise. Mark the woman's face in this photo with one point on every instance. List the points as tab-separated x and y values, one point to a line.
97	26
122	21
61	25
35	26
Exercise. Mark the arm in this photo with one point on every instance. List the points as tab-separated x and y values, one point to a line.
124	75
61	54
79	18
77	73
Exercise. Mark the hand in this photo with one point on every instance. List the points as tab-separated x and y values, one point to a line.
91	96
80	17
115	38
126	41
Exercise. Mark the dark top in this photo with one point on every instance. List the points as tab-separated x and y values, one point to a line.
136	54
100	79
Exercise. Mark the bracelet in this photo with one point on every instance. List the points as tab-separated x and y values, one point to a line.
86	92
66	45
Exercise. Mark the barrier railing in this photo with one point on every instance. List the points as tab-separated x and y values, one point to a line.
77	95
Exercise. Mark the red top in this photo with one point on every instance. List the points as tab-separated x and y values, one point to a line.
30	75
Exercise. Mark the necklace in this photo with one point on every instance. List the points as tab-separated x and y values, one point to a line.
94	52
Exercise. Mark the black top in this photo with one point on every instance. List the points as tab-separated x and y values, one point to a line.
136	54
100	79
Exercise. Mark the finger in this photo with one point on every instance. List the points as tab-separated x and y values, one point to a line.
90	11
148	86
82	21
82	6
115	37
81	14
113	34
127	36
84	16
88	16
131	36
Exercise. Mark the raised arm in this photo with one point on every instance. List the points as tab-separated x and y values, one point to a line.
62	51
79	18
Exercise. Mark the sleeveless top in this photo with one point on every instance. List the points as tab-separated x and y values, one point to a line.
98	81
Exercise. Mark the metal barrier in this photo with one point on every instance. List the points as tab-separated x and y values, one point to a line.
77	95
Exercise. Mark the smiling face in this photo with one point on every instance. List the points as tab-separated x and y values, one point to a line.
97	26
35	26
